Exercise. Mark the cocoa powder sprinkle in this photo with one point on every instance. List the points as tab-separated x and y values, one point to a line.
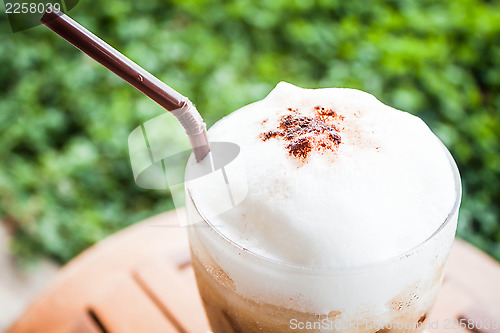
304	134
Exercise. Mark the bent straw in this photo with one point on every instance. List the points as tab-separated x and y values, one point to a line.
179	105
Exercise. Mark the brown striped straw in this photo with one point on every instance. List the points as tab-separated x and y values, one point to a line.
179	105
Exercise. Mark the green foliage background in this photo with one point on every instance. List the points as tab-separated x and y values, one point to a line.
64	120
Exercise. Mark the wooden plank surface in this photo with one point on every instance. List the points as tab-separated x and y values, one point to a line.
126	308
91	275
477	274
84	323
470	292
451	302
140	280
181	303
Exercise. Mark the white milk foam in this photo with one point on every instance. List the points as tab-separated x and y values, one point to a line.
384	189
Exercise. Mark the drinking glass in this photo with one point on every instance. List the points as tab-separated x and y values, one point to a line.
243	291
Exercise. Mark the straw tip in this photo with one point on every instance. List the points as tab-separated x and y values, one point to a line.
200	145
201	152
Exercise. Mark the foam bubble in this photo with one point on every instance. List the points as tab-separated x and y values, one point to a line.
381	188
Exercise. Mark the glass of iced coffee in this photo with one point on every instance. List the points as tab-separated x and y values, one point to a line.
349	212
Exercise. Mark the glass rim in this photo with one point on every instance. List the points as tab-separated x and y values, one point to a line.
344	270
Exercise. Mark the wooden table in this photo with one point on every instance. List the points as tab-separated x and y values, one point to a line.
141	280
